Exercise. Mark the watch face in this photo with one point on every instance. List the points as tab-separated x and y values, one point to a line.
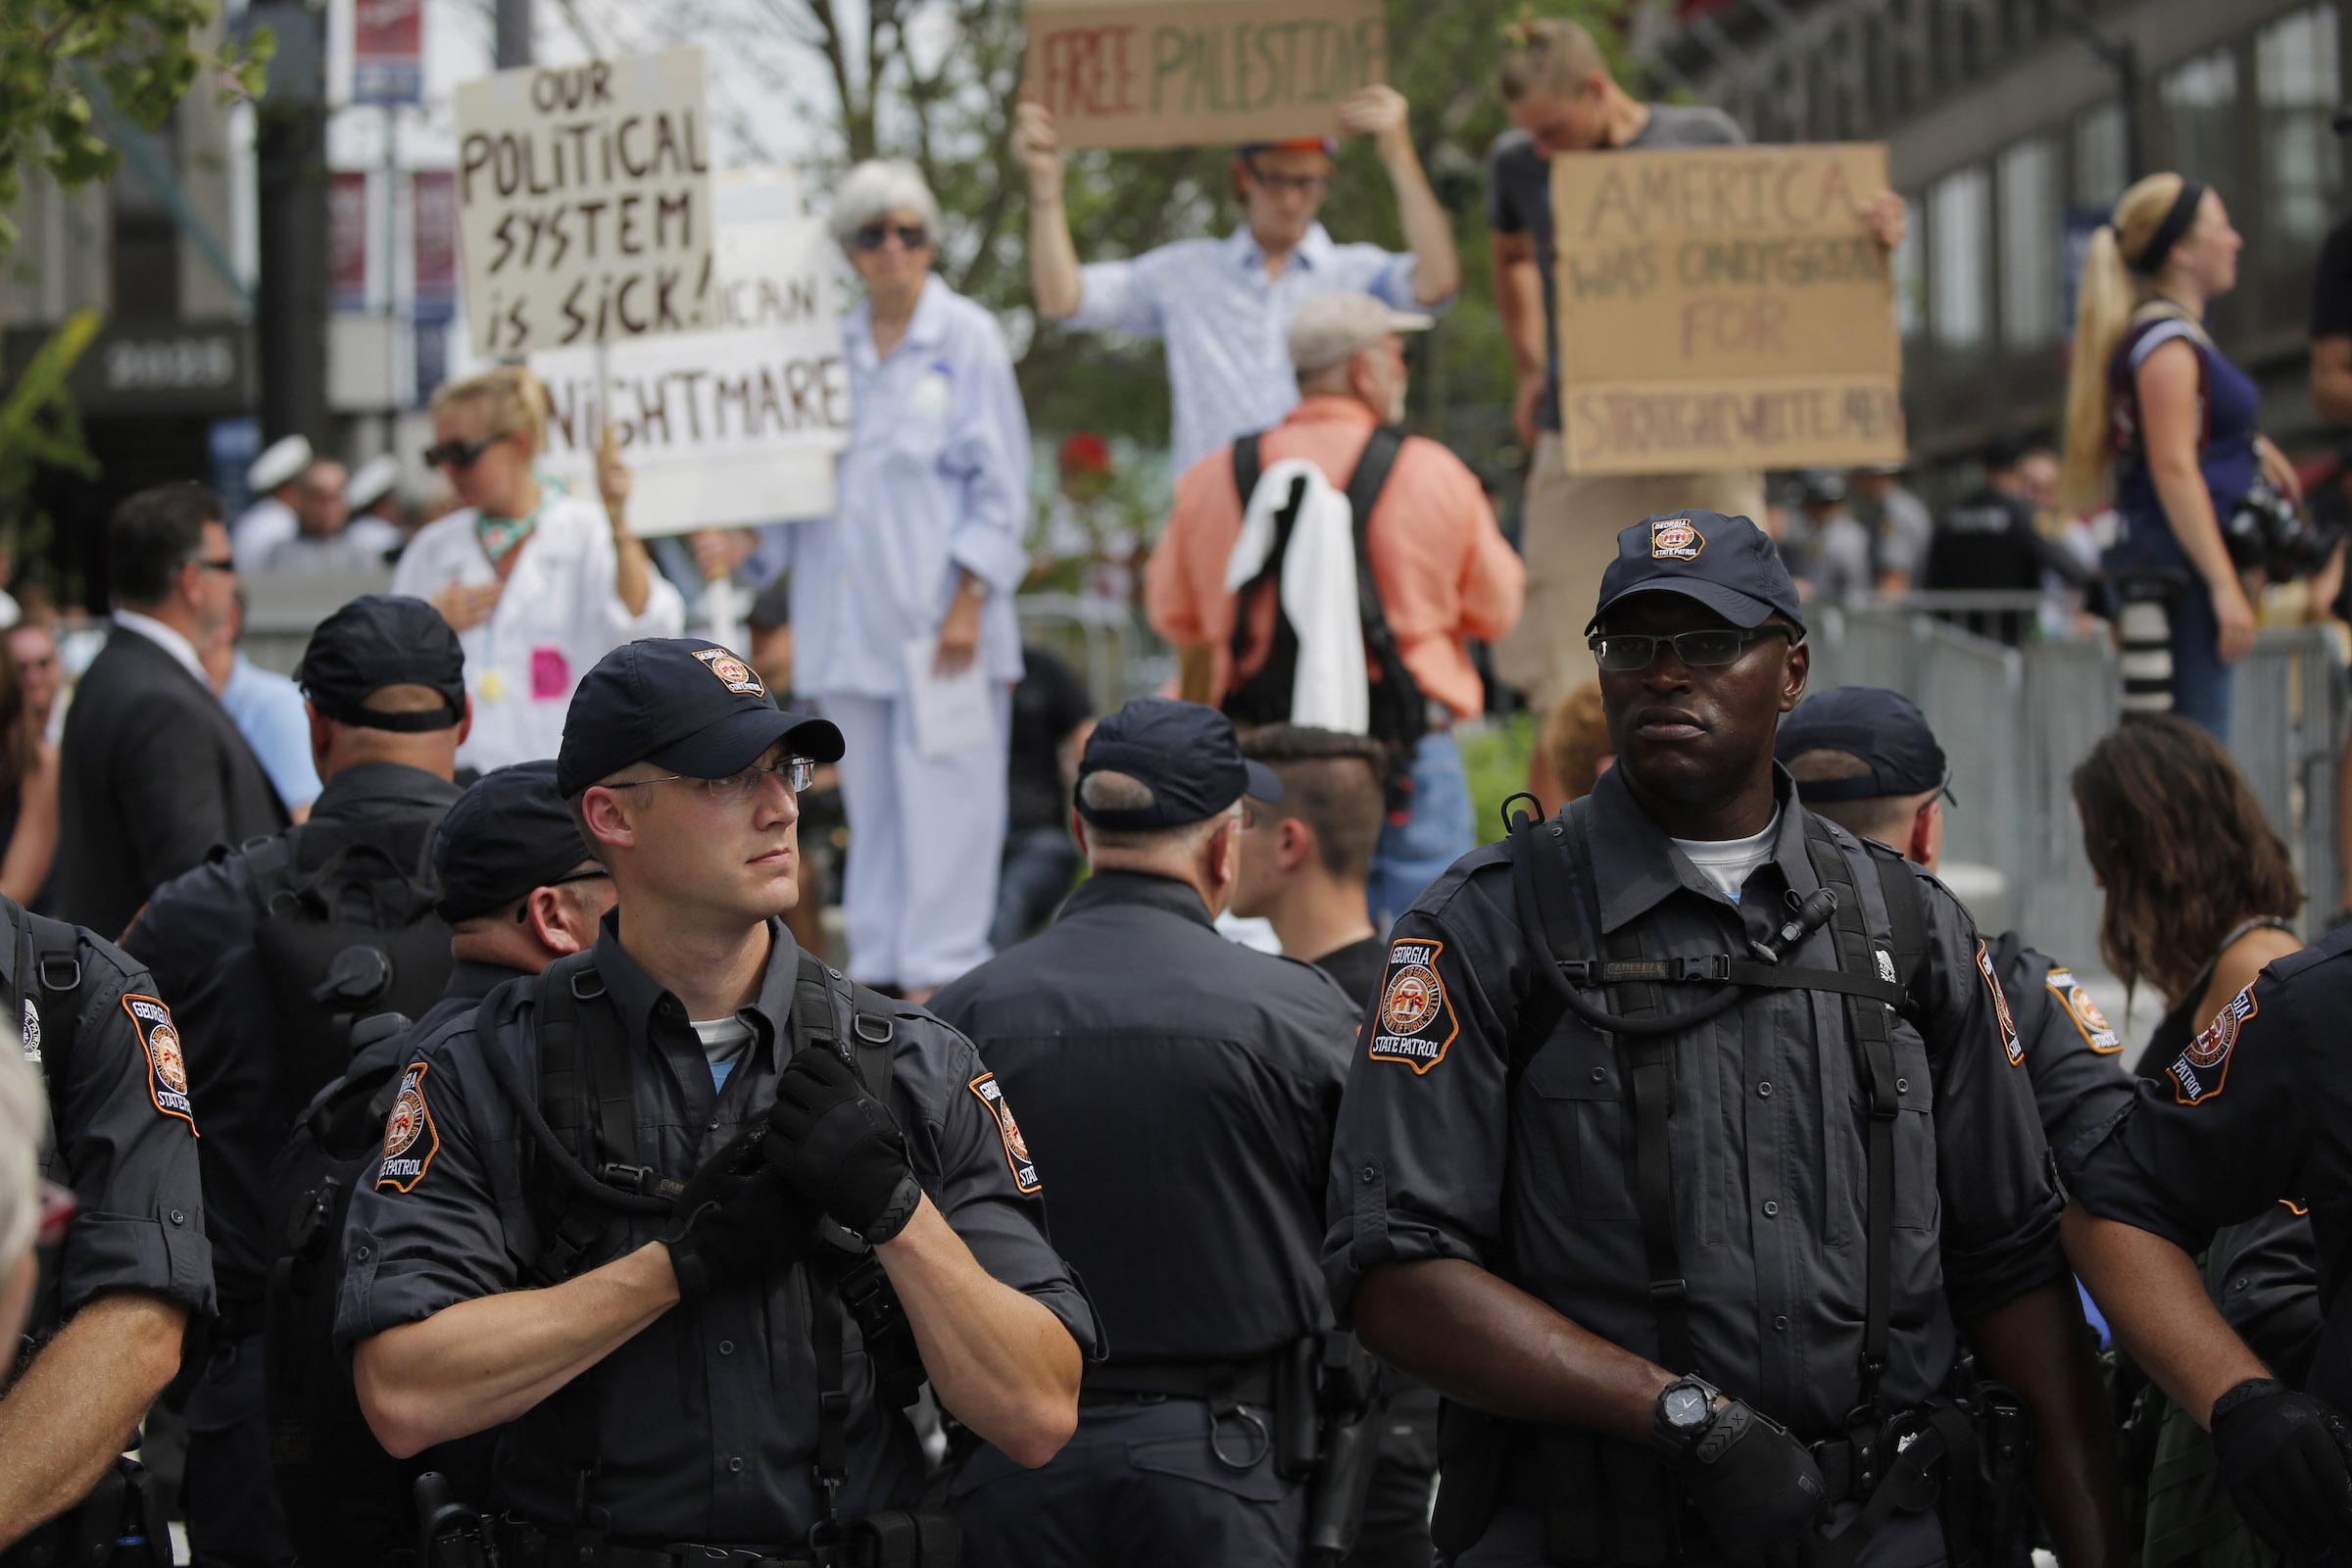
1685	1407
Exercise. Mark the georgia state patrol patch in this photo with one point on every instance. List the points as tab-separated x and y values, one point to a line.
30	1032
1016	1147
1414	1023
2097	1033
409	1124
167	1066
2199	1072
1675	539
732	672
2010	1046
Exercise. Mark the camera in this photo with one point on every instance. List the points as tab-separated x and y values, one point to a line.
2267	532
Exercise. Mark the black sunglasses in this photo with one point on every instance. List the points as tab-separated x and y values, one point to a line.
225	565
1711	648
873	237
461	454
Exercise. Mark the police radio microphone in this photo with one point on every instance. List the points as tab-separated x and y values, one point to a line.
1810	917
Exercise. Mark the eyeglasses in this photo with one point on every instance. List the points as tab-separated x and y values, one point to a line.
873	237
1621	653
226	565
462	453
796	772
586	873
1289	185
58	1209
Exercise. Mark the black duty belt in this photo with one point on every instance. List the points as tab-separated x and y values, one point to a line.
1249	1382
528	1545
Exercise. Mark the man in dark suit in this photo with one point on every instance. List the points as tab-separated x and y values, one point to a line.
154	770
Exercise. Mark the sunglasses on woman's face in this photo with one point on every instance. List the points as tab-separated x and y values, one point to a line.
873	237
461	454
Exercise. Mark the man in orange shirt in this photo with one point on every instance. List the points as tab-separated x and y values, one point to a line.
1443	573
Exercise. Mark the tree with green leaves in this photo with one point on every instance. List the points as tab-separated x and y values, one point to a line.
59	59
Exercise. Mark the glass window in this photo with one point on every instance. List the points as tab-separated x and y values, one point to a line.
2101	169
2030	244
2295	79
2200	115
1959	236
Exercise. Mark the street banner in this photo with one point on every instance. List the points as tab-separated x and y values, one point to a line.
433	222
347	240
1724	307
734	426
387	51
1186	73
584	202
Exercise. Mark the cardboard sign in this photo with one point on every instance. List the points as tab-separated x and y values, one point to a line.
734	426
1724	307
1182	72
584	209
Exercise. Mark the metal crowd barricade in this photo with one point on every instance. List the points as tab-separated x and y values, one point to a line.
1119	654
2286	731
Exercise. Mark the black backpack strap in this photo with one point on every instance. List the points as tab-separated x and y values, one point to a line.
1248	467
1872	1026
1907	915
1400	711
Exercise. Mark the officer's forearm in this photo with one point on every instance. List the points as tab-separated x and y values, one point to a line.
74	1409
1491	1346
482	1363
2039	1345
1001	1363
2156	1303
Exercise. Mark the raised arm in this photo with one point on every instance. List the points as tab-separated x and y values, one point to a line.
1053	255
1381	111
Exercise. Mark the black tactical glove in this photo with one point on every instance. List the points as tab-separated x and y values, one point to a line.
736	1219
1755	1486
2284	1457
838	1146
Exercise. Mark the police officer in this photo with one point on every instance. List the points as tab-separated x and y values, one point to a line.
1687	1138
2250	1111
519	890
240	945
679	1212
1185	1089
1864	758
135	1266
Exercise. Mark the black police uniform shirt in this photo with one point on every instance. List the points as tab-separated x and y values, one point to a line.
1183	1089
2073	1053
1357	969
123	1137
705	1423
1769	1131
2255	1108
1987	542
197	934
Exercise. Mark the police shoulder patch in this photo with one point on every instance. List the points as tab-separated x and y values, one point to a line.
2089	1023
411	1139
167	1063
1675	539
733	672
1016	1147
2201	1070
1414	1023
2010	1044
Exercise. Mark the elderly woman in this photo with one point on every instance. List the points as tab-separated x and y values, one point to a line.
911	580
537	584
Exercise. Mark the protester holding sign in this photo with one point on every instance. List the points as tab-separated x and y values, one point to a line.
902	601
538	585
1563	99
1224	305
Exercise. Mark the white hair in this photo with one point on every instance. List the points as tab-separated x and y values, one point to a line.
24	1131
875	189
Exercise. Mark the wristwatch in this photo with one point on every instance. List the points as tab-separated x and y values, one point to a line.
972	588
1685	1409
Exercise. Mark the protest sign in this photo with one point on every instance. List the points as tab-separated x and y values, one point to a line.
584	210
1180	73
1724	307
737	425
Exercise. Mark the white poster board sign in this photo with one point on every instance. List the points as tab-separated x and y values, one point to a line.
734	426
584	202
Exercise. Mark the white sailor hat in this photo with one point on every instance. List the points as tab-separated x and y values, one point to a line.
280	463
373	480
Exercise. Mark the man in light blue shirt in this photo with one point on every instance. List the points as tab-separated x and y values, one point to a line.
269	712
1224	306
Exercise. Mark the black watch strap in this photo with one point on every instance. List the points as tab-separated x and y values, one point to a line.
1675	1442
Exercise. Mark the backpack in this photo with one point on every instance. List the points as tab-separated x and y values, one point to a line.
46	980
355	935
1400	714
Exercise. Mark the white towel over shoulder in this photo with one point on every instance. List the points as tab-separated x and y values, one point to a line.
1317	591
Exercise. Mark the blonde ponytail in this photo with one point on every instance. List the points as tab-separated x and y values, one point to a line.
2105	297
515	401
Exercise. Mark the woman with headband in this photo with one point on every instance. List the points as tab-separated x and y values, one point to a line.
2160	425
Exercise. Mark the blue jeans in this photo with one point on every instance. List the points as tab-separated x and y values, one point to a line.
2201	682
1415	853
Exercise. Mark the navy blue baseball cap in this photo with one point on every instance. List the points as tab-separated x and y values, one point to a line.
380	640
508	833
1883	729
1186	752
691	706
1727	563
